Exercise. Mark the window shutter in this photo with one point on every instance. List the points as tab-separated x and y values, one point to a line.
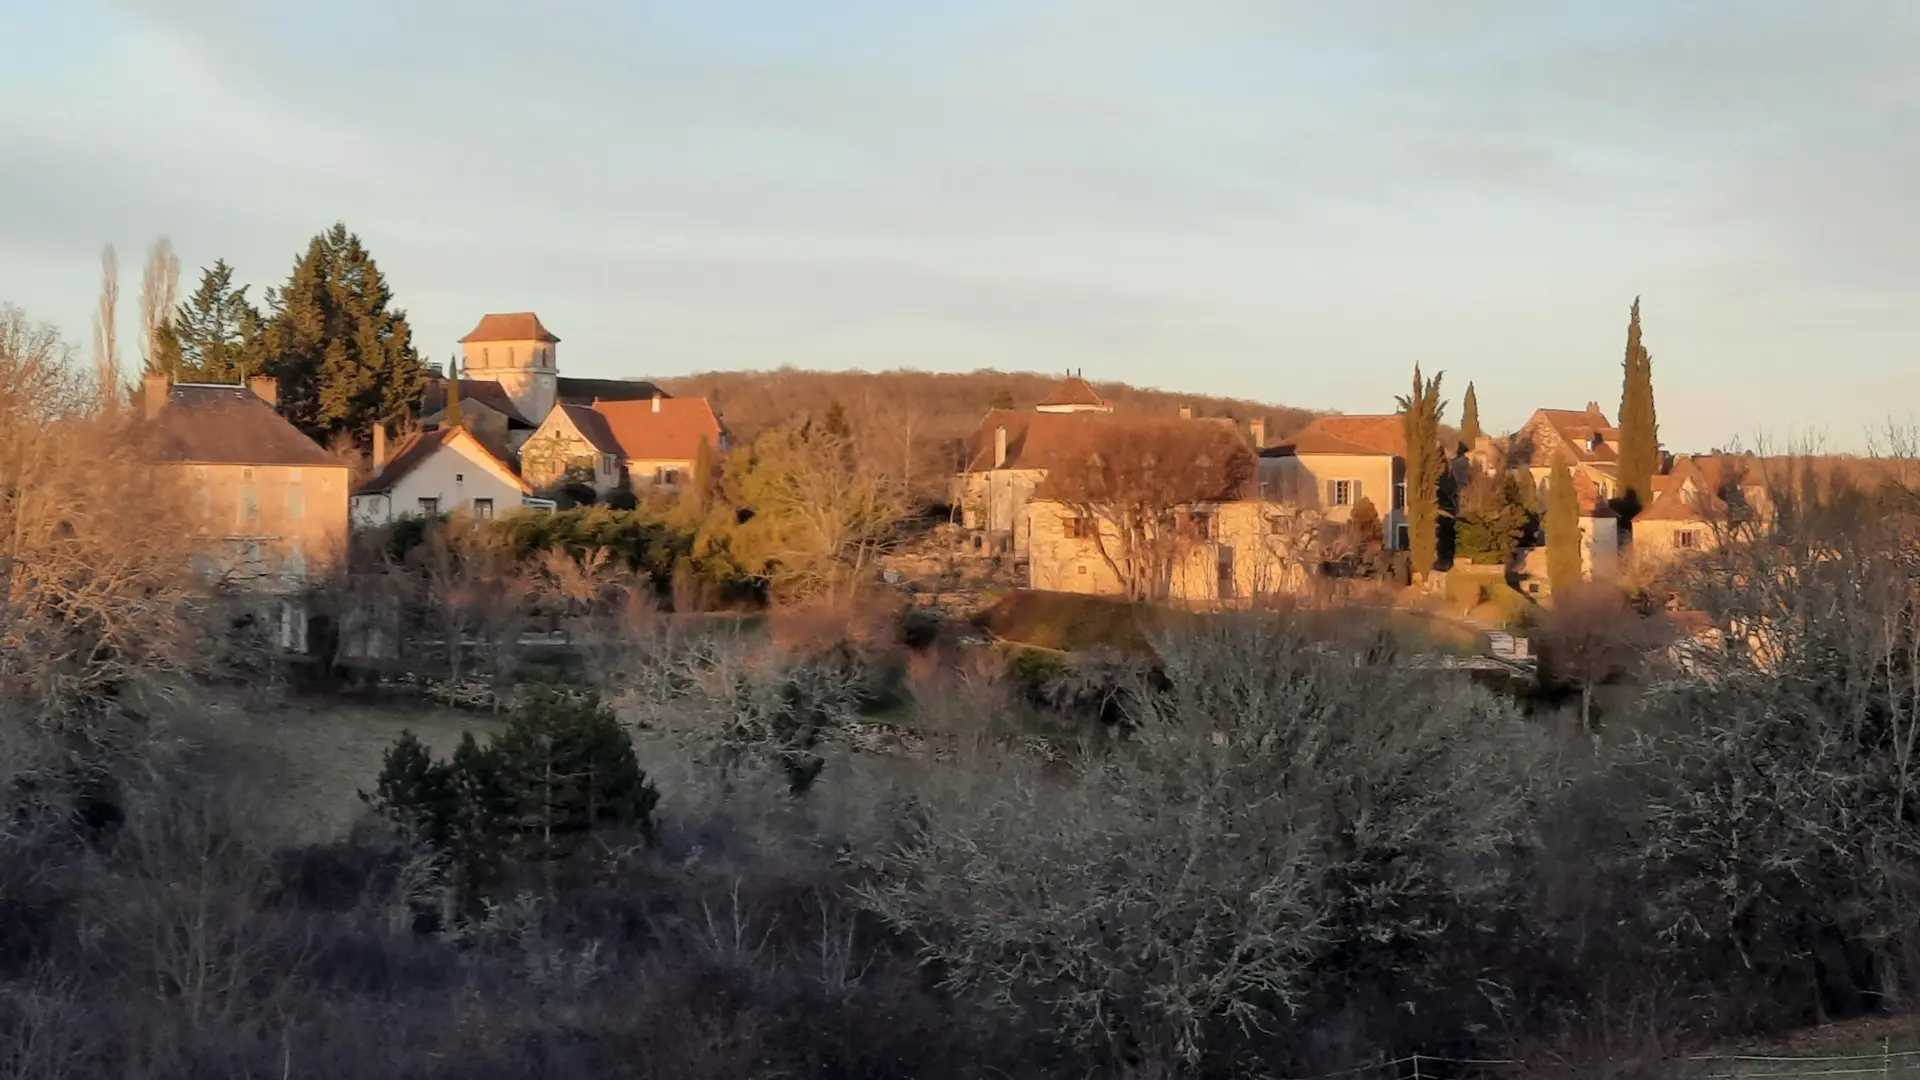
1356	493
1333	489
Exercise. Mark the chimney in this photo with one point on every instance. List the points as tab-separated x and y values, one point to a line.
1257	427
155	393
266	388
656	401
1000	447
379	445
1186	412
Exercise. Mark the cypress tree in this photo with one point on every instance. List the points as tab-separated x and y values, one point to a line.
1420	425
215	336
1470	419
452	419
343	353
1639	432
1563	526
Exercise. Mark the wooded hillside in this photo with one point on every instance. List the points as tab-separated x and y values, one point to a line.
948	405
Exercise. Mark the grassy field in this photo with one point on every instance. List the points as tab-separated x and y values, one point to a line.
310	756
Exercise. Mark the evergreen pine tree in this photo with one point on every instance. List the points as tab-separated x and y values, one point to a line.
1420	425
1639	431
700	491
1563	527
343	353
215	336
1470	419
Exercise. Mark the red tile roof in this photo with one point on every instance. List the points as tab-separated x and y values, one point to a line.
1074	390
660	429
1678	504
517	326
419	448
1367	435
229	425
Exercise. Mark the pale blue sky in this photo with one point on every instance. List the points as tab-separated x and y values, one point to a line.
1285	200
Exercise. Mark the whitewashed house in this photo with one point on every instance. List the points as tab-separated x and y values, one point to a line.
438	472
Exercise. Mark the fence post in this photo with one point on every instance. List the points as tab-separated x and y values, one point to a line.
1416	1067
1886	1056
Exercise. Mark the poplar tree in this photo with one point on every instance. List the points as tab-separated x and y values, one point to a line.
1420	425
1470	419
452	418
1563	527
1639	433
344	355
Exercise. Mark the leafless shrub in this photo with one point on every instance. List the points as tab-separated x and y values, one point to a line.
1275	807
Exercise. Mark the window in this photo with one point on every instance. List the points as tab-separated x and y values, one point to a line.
483	508
247	475
1198	527
1080	528
1687	539
1276	526
296	504
249	504
459	478
429	507
670	476
486	357
1400	495
1342	493
607	464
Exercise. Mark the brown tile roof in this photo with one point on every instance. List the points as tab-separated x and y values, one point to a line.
672	432
588	391
517	326
1378	435
1577	429
1037	440
229	425
419	448
483	391
1198	439
1074	390
592	427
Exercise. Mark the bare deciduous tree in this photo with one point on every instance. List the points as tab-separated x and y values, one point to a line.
1591	634
106	330
159	289
96	591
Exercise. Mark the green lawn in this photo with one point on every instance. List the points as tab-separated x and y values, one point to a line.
312	757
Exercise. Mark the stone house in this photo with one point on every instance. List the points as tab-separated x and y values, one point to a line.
1697	503
443	471
270	505
1008	456
1229	553
649	443
1589	439
1337	461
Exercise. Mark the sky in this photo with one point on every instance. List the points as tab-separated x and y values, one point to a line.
1289	201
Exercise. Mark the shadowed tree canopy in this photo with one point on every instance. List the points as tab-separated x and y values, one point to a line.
1639	431
343	353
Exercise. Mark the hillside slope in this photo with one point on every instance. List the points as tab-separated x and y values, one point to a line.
948	405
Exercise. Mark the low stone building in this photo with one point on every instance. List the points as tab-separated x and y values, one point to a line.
1337	462
437	472
643	444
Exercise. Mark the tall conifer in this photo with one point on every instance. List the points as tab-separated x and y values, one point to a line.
343	353
1470	418
1563	526
1639	432
215	335
1420	425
